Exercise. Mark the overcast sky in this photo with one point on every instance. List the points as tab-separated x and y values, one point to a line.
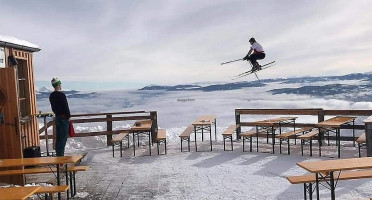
172	42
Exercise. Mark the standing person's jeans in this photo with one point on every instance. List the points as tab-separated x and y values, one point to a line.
62	126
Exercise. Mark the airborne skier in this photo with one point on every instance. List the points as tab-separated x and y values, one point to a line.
255	53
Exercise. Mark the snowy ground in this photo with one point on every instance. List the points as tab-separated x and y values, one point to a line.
207	175
200	175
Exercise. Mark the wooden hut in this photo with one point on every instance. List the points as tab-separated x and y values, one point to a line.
18	124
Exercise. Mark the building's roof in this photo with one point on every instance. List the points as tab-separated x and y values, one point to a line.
10	41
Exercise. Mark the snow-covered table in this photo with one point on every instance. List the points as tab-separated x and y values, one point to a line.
141	127
334	125
324	170
271	123
205	123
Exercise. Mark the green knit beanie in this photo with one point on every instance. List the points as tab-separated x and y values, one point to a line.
56	82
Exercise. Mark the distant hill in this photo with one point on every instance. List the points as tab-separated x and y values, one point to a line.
354	87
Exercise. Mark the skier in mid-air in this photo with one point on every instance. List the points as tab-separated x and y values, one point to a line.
255	53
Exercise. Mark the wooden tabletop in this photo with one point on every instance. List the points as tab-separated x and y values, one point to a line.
19	162
336	165
270	122
142	125
335	122
205	120
17	193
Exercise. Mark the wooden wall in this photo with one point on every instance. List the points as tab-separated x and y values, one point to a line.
17	133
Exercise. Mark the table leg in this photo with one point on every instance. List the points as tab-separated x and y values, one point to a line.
58	181
273	138
150	143
317	186
256	138
215	130
202	129
210	135
338	142
66	177
332	184
134	145
196	146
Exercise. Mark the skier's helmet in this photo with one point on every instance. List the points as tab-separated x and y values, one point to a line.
252	40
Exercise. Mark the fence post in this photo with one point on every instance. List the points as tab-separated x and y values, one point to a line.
237	122
321	132
368	125
109	128
154	127
46	135
54	133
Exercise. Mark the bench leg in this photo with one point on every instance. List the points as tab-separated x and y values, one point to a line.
232	147
121	148
250	142
71	188
188	142
165	146
280	146
157	146
181	144
359	150
224	143
289	148
305	191
243	143
302	147
113	150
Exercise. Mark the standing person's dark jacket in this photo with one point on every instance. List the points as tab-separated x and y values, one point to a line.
58	102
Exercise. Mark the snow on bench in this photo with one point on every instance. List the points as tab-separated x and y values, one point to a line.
185	135
361	142
309	179
227	134
291	134
118	139
162	138
308	137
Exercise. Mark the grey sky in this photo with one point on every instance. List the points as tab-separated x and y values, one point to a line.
171	42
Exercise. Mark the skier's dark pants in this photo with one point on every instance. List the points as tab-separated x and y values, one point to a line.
256	56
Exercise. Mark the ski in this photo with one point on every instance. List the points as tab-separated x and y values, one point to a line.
265	66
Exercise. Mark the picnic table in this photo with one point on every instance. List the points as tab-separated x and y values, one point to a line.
17	193
205	123
141	127
334	125
62	160
324	170
270	125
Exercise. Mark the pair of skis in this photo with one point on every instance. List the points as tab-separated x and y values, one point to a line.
265	66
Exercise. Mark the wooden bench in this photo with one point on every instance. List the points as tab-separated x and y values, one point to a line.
308	137
309	179
291	134
161	138
185	135
40	170
249	135
50	190
118	139
227	134
361	142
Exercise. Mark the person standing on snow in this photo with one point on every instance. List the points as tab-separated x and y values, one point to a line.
255	53
58	102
